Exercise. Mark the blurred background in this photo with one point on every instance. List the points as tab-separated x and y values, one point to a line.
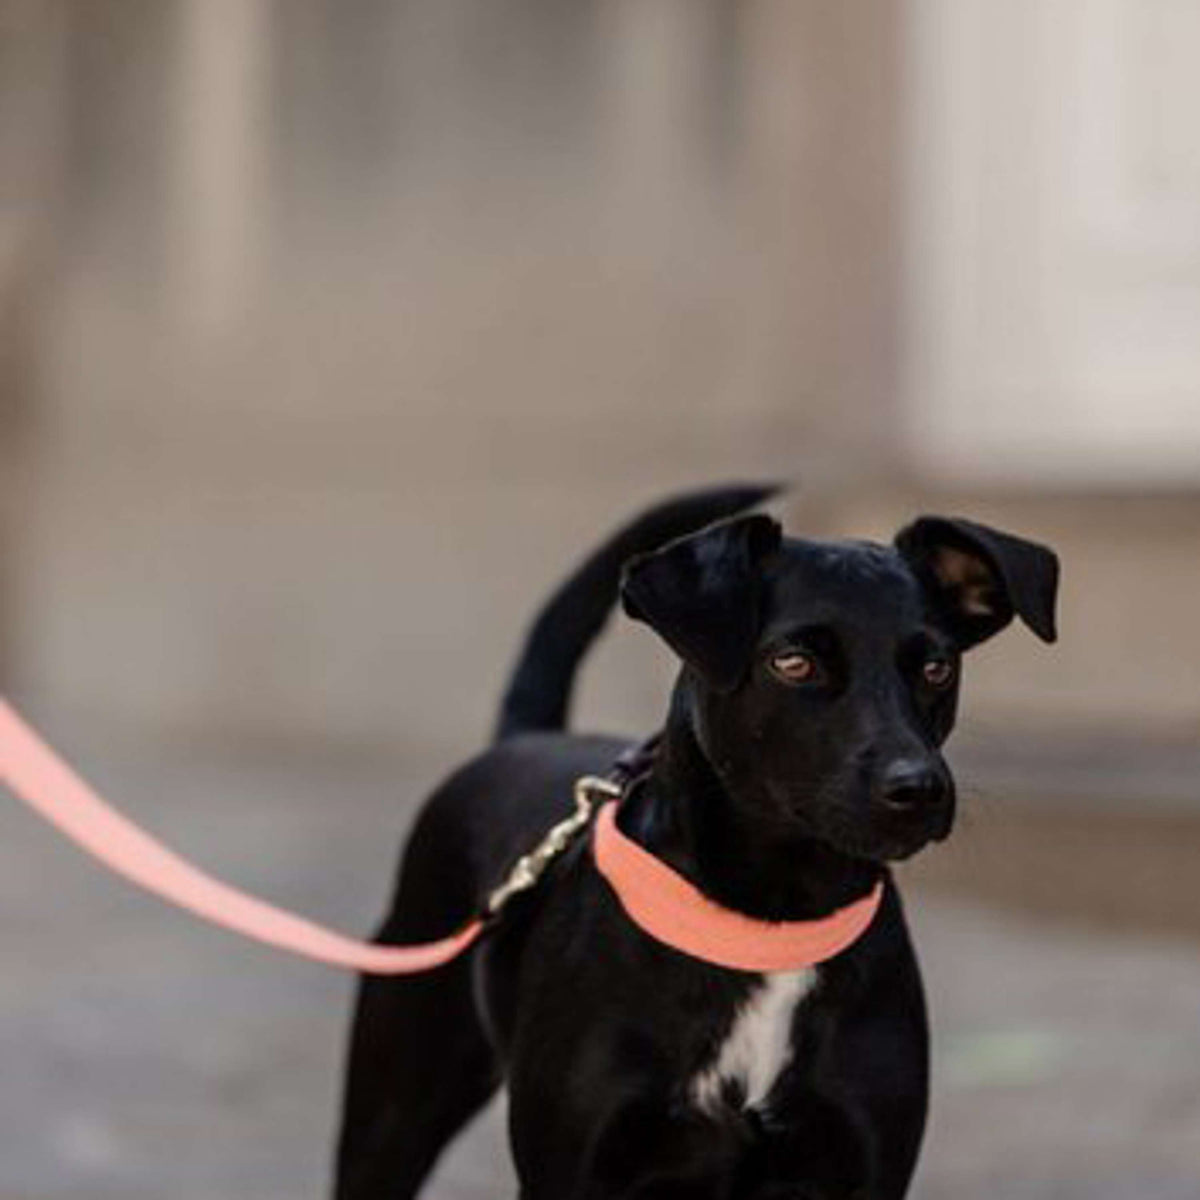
332	333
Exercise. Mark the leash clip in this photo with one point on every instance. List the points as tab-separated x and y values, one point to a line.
529	868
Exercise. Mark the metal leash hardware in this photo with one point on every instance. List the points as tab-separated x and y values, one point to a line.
529	868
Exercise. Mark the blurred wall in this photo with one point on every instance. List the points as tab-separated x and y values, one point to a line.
363	323
1052	364
354	325
1053	265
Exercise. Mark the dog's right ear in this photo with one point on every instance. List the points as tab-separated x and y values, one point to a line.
702	595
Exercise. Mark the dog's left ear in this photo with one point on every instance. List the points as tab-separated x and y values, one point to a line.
980	577
703	594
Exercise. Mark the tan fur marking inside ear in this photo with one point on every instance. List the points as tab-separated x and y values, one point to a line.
968	577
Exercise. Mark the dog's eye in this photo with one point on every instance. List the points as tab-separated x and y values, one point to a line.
938	672
794	666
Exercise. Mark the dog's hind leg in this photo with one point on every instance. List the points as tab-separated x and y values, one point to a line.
420	1067
420	1063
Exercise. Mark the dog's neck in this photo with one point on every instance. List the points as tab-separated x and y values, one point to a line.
685	815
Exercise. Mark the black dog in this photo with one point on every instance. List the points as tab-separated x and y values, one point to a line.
800	755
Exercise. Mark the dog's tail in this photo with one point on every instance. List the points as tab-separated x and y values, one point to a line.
539	691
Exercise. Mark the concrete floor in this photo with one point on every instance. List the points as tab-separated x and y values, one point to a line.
147	1057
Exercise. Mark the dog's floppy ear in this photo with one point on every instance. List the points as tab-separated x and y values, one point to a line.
702	594
980	577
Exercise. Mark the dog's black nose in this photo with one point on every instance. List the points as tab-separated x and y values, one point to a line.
912	784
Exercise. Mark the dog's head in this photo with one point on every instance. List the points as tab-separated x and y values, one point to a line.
821	679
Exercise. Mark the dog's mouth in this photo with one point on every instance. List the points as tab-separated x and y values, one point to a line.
884	841
878	850
853	825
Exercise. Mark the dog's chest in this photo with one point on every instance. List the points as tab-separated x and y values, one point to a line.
757	1046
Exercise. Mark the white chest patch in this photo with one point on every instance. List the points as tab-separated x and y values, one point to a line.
758	1045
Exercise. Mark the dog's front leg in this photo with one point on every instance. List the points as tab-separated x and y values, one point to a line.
848	1120
820	1150
637	1147
652	1150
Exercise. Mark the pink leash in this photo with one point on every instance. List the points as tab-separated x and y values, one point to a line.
662	903
38	776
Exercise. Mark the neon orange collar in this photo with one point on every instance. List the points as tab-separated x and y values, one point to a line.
671	910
